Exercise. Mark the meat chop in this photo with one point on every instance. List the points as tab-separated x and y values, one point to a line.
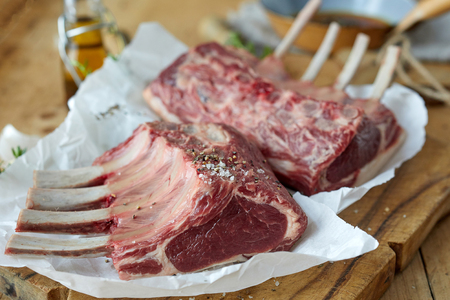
174	199
301	137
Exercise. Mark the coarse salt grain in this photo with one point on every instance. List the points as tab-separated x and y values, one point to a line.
260	171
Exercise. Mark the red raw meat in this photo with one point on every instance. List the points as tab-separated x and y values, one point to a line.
183	198
311	145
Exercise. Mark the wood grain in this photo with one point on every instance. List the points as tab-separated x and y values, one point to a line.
411	284
32	100
402	212
365	277
31	82
436	256
23	283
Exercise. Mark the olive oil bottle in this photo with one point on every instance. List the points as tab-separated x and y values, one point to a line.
85	49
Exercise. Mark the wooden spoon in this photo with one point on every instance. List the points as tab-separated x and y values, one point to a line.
425	9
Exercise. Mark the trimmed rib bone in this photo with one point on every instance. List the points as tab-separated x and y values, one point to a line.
67	199
353	61
88	176
386	71
297	26
73	222
83	248
67	178
322	53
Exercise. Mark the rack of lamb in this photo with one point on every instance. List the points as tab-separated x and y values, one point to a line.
172	199
313	145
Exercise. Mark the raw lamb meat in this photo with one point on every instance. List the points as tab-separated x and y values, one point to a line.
311	145
391	133
175	198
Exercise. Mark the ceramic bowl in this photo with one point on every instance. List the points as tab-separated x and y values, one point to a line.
373	17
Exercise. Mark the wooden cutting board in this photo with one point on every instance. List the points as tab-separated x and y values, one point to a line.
400	214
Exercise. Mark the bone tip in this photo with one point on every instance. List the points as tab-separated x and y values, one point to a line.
29	203
19	225
310	5
316	2
334	26
9	249
362	38
393	50
35	178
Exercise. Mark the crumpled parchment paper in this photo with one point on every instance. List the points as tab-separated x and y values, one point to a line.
104	112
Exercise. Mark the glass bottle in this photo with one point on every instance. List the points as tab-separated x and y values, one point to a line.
81	42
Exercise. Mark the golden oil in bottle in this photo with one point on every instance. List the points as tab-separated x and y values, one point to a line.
85	51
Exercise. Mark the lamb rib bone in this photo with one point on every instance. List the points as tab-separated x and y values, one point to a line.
190	188
386	72
322	53
68	199
273	68
297	26
83	177
38	246
353	61
212	82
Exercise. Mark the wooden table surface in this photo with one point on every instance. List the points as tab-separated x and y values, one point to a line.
31	98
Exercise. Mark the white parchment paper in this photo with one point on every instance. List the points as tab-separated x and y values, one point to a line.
11	138
104	112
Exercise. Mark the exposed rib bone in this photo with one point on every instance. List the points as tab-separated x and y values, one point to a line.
352	63
297	26
384	75
163	194
67	178
67	199
83	248
83	222
322	54
89	176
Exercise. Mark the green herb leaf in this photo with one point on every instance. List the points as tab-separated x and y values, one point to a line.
236	41
18	151
250	47
266	51
84	68
114	57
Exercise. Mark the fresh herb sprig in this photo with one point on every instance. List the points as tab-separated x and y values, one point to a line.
236	41
84	68
17	152
113	57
